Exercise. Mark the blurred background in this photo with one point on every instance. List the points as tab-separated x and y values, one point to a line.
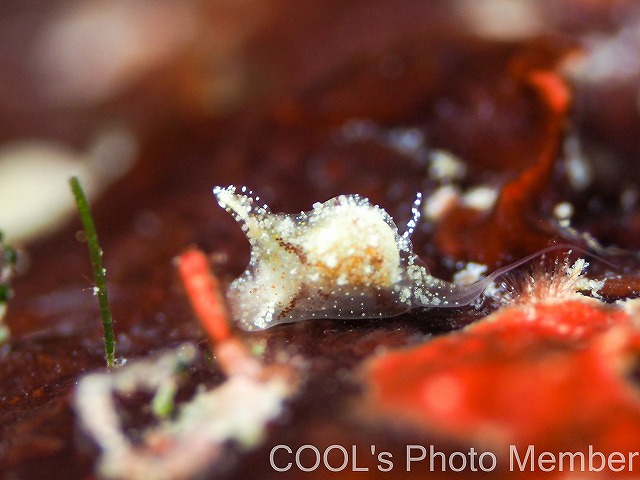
154	102
98	88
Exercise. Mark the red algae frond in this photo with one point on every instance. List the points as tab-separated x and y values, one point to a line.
204	292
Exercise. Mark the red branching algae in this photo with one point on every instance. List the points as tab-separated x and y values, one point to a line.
514	225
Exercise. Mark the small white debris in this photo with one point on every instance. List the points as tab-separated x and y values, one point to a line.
405	141
611	58
631	307
629	199
563	212
444	166
472	272
238	410
409	141
34	191
89	51
481	198
593	287
579	170
440	202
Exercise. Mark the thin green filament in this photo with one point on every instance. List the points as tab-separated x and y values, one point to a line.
99	273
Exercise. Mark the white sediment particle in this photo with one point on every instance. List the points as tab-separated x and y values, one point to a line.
405	141
563	212
610	58
592	286
579	170
237	411
631	307
629	198
502	19
472	272
132	40
444	166
34	176
409	141
440	201
482	197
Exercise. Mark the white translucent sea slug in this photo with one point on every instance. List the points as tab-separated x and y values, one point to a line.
343	259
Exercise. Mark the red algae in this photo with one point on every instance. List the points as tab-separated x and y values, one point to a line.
204	292
514	226
555	375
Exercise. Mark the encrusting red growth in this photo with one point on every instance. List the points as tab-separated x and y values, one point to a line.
553	373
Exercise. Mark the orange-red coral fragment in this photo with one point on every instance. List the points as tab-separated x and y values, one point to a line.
549	374
204	292
206	298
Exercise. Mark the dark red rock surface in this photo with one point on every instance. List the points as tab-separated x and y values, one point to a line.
311	68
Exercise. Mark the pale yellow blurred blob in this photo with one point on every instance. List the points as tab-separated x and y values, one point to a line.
93	50
34	180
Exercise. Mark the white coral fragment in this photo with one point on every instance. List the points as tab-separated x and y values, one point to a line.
481	198
472	272
441	201
238	410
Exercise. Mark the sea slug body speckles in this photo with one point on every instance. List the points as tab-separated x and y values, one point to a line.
343	259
